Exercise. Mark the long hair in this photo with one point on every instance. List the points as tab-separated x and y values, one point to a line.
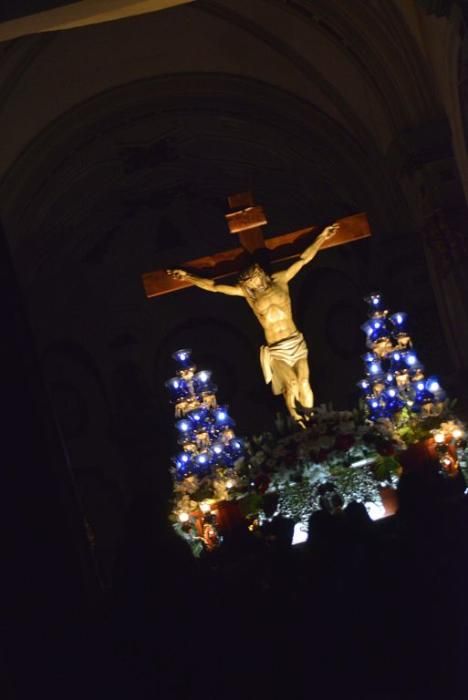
247	273
259	262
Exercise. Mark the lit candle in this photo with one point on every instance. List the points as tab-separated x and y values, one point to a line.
218	448
222	417
364	385
399	319
178	388
203	461
183	357
184	425
375	301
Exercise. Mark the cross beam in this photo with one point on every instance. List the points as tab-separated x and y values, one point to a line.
247	223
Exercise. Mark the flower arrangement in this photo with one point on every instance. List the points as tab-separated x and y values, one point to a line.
354	455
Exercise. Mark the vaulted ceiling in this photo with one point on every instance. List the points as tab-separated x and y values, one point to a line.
319	93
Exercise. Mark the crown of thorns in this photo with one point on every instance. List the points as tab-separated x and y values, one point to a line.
250	271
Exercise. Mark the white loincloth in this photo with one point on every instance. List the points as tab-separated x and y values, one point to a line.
289	350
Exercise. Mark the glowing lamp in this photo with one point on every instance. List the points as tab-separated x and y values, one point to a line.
182	460
375	408
203	459
373	366
390	382
398	361
173	383
393	401
439	438
364	386
183	357
369	357
184	517
217	448
202	381
457	434
423	397
205	507
412	361
399	320
184	426
376	330
222	417
421	392
177	387
230	483
433	385
198	416
375	370
237	445
234	450
375	301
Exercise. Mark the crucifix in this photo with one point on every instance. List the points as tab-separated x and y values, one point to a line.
284	356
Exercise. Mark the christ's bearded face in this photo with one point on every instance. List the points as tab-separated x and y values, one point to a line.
254	279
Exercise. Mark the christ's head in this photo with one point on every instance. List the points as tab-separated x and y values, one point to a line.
254	279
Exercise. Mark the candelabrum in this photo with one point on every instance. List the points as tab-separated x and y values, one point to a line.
205	467
395	377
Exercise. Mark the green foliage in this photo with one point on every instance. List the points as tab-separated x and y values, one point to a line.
411	428
386	467
250	504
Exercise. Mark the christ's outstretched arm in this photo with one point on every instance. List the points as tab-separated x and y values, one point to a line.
206	284
308	254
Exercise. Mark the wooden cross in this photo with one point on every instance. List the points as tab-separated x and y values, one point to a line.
247	221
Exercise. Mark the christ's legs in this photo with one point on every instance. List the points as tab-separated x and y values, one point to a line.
306	396
286	376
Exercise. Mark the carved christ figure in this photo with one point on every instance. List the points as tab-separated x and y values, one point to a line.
284	357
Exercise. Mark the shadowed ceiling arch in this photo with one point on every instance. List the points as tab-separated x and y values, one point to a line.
208	133
306	47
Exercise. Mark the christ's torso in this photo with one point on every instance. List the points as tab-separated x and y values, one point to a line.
272	307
